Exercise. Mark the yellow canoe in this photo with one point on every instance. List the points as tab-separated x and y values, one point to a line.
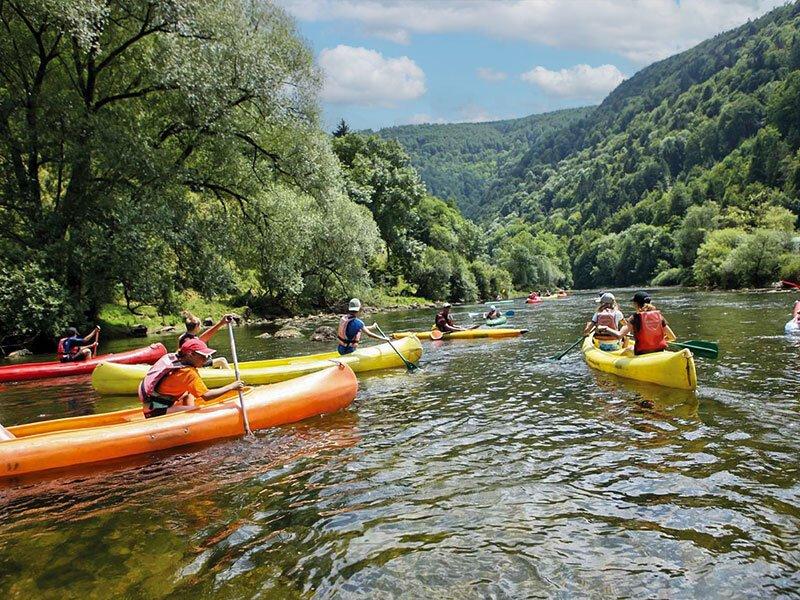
108	379
469	334
670	369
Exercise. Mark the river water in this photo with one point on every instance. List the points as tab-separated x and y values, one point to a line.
491	472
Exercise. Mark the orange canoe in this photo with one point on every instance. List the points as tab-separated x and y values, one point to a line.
80	440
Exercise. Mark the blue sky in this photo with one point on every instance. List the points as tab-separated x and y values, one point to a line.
408	61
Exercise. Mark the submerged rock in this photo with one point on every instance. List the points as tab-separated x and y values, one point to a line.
139	330
264	336
19	353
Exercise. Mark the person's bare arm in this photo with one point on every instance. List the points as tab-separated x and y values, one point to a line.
221	391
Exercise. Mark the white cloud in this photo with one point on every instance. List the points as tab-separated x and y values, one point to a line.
398	36
472	113
422	118
364	77
641	31
489	74
579	82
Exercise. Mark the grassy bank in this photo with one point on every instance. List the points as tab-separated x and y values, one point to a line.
117	321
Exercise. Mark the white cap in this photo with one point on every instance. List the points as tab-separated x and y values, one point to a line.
606	298
355	305
493	307
446	305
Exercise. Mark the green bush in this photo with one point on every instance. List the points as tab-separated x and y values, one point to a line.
673	276
790	267
32	303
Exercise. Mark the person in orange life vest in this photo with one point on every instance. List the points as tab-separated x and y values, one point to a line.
173	384
444	322
351	328
650	330
606	317
193	331
73	348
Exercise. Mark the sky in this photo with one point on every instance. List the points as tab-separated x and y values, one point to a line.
398	62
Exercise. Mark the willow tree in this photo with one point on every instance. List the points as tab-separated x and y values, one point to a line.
125	115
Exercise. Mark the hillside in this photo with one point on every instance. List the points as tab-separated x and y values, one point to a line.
457	161
688	172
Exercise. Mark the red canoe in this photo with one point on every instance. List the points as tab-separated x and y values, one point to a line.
43	370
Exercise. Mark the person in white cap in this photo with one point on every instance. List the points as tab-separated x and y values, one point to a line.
493	313
351	328
444	322
607	317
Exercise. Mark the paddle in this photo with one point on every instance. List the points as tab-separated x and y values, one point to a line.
565	352
96	341
409	365
698	347
236	371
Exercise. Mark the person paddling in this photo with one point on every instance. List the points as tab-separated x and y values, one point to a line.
651	332
73	348
444	321
173	384
193	331
492	314
351	328
607	318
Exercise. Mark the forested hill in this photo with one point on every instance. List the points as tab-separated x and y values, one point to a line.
457	161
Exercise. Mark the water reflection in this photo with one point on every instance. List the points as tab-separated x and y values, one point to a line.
492	472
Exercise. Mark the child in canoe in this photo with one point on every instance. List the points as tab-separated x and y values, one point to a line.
606	320
193	330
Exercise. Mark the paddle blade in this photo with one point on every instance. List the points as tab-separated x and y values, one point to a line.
436	334
696	350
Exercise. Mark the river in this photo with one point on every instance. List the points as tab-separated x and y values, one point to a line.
491	472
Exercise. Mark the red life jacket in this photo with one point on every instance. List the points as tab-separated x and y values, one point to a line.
650	332
606	319
342	332
169	363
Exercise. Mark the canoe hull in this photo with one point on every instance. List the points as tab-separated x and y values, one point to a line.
463	335
44	370
123	380
65	442
670	369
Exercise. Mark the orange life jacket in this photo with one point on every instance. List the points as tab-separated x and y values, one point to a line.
650	332
342	332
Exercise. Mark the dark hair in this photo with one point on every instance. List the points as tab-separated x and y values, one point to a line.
71	332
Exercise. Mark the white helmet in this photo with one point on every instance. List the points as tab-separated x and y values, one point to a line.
493	307
355	305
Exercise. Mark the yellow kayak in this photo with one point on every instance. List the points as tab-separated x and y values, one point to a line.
108	379
670	369
469	334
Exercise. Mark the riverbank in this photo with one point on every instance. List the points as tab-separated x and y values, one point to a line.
117	321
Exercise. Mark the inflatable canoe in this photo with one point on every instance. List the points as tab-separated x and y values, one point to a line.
43	370
80	440
792	327
469	334
670	369
114	379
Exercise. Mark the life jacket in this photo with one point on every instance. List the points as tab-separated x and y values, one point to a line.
342	332
442	322
605	318
61	351
650	332
169	363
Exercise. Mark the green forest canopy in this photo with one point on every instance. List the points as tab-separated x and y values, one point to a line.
148	149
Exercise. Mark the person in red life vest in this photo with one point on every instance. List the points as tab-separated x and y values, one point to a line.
444	321
650	330
606	318
173	384
193	331
351	328
73	348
